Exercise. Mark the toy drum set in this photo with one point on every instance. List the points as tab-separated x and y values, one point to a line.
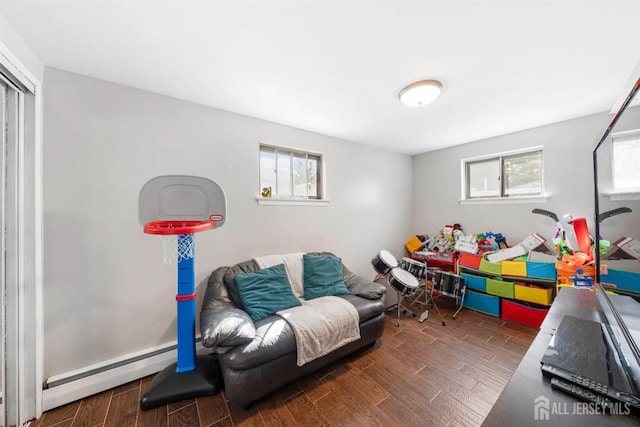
401	280
406	277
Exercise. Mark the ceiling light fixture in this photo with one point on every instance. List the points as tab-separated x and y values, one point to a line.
420	93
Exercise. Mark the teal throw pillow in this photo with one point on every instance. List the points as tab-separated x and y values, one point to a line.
323	276
266	291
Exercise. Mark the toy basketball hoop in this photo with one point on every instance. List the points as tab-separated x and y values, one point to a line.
174	207
177	237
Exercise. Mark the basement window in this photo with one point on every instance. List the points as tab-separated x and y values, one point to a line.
511	176
290	176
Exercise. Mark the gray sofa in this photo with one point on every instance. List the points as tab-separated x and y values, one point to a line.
259	358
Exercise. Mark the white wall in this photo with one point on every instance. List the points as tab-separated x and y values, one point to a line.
568	179
106	291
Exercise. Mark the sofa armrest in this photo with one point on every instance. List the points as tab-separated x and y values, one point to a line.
222	324
362	287
225	326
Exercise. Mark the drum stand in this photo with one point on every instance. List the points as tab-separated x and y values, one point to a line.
459	297
432	300
398	306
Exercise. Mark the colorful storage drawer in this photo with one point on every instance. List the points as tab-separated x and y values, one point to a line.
475	282
514	268
500	288
491	267
470	260
626	280
536	294
522	313
541	270
483	303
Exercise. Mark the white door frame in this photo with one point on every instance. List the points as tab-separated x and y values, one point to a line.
22	399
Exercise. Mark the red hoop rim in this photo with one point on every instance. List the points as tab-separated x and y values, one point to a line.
177	227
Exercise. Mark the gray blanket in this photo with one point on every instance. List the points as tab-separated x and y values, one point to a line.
322	325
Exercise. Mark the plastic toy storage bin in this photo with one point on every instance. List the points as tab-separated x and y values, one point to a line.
483	303
475	282
625	280
523	313
541	270
491	267
514	268
470	260
501	288
535	294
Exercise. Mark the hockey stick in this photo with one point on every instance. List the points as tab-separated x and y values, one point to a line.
613	212
560	238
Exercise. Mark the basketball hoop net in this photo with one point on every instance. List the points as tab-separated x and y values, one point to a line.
177	237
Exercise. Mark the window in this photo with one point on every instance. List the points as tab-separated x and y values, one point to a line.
287	173
515	174
626	158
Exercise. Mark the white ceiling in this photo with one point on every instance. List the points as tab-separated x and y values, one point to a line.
336	67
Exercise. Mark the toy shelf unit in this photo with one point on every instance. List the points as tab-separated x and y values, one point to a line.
519	291
174	208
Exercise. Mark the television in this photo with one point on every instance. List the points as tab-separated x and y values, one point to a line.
599	361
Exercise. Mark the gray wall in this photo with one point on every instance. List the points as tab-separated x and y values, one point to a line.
106	291
568	180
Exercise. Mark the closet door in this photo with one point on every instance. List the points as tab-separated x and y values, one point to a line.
11	292
4	135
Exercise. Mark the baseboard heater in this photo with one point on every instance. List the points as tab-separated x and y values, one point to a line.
70	386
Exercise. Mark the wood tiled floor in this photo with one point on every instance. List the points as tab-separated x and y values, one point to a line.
418	374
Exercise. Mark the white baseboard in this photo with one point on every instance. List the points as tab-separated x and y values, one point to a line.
97	380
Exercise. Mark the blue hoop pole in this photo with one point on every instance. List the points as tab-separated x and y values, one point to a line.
186	302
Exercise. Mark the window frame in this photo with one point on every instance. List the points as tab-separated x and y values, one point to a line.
293	153
466	197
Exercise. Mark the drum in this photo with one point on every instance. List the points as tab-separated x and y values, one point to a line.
403	281
414	267
384	262
447	283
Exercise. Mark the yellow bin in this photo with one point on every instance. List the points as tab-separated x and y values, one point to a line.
514	268
534	294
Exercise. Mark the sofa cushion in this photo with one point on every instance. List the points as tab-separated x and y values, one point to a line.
323	276
229	280
266	291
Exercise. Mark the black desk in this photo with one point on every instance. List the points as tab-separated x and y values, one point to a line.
517	403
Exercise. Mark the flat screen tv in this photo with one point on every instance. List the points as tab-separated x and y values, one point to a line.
616	166
601	359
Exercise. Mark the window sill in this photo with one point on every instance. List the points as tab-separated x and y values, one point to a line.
616	197
505	200
262	201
